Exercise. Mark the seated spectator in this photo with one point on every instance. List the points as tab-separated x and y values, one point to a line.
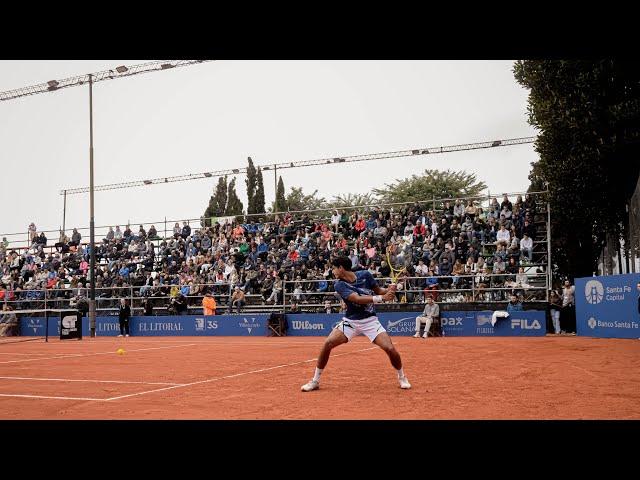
237	300
514	305
178	305
503	236
431	312
63	243
8	322
526	247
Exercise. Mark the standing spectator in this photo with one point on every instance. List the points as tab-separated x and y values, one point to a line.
186	230
555	306
431	312
335	220
124	314
32	232
458	210
567	318
176	230
209	304
75	238
148	307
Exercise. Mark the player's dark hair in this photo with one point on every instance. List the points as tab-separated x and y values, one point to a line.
342	262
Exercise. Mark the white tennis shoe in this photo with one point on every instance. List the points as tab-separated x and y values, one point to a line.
312	385
404	383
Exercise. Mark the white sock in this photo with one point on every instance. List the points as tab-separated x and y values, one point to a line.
316	376
400	373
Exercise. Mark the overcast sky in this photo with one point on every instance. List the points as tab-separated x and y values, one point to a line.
212	116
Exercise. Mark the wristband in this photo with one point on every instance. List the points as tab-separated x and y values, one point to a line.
377	299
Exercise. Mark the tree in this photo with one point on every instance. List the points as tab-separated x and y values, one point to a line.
588	114
218	201
431	184
259	197
251	183
297	200
353	200
234	205
281	203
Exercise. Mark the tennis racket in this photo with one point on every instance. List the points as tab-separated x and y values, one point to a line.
395	272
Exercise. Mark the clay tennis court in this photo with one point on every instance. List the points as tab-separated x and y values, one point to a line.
260	378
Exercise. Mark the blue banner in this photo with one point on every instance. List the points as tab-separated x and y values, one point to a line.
187	325
529	323
455	324
607	306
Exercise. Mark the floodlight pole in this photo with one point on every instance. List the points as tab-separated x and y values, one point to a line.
275	188
64	212
92	246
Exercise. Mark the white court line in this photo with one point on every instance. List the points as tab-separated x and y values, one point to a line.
82	380
16	353
53	398
92	354
587	371
179	385
231	376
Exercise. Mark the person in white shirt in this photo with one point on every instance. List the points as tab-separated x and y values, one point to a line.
335	220
422	270
503	236
526	247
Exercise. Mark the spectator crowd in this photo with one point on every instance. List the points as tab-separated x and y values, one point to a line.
456	249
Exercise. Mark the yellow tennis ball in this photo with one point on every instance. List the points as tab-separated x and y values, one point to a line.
120	351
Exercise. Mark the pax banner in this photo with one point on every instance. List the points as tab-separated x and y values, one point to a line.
608	306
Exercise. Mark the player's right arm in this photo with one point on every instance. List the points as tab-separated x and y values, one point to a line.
354	297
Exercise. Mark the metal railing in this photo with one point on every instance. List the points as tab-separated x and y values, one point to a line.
471	293
414	289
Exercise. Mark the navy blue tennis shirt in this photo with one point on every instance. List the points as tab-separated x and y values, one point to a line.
363	285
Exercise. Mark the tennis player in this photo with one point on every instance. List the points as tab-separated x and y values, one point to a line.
357	289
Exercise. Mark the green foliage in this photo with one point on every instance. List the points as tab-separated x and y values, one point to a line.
251	182
353	200
588	115
234	205
431	184
217	202
259	197
297	200
281	202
